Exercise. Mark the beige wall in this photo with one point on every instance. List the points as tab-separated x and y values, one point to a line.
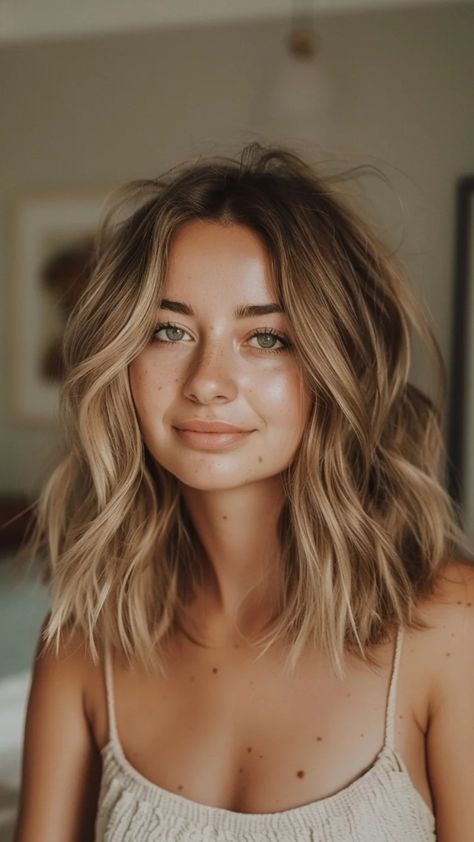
87	113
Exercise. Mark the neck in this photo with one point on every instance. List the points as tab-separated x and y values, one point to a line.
238	530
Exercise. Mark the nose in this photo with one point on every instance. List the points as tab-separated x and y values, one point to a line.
212	376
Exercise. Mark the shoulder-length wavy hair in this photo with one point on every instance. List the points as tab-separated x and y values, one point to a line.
366	526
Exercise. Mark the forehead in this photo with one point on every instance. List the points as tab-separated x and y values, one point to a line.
227	257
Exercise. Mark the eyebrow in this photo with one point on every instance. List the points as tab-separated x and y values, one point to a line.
242	312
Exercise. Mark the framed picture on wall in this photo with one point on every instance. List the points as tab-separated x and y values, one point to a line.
461	414
52	252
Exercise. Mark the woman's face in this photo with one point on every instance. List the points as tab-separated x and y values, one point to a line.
206	362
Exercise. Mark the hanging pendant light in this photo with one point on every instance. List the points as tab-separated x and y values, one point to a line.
298	90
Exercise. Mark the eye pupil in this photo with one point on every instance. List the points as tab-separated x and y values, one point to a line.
267	339
174	332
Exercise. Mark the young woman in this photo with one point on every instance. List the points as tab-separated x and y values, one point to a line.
261	625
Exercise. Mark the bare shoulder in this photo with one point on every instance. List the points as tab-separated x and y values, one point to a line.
60	765
439	658
445	649
453	599
456	583
68	673
444	665
70	660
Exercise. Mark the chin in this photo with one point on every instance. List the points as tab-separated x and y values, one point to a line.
207	483
202	478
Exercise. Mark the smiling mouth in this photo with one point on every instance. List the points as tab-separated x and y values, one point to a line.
211	441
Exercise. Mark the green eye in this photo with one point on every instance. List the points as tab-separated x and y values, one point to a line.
269	337
173	333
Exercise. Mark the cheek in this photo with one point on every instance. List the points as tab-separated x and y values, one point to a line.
283	397
138	379
146	385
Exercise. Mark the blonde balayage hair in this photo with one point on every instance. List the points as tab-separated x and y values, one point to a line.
366	526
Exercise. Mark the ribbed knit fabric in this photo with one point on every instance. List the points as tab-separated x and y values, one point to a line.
381	805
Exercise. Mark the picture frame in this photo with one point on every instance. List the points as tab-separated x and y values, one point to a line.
460	445
51	236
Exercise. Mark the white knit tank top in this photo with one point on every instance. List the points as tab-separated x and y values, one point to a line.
381	805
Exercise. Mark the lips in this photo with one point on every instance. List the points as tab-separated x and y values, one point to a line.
211	435
199	426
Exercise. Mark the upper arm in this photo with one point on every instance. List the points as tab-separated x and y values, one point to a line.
450	737
61	765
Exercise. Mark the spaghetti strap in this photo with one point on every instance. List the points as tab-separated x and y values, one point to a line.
389	739
109	689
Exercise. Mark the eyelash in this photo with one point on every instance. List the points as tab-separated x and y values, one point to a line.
261	332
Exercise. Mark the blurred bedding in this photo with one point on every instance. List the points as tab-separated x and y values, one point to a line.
13	699
23	605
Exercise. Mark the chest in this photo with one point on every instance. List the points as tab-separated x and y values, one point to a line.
228	731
